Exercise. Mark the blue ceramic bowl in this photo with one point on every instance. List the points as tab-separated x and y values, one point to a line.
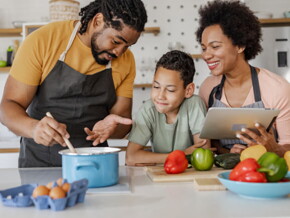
256	190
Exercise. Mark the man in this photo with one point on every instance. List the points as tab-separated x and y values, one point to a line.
82	73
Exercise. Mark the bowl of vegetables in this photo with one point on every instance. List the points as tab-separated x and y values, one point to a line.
267	177
256	190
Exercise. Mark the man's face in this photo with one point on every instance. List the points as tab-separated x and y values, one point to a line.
110	43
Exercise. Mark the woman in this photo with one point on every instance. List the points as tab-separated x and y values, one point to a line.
230	36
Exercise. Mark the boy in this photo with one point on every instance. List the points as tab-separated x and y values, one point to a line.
172	118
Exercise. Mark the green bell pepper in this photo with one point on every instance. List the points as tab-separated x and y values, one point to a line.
274	166
202	159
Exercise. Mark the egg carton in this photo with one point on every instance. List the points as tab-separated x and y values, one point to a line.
21	196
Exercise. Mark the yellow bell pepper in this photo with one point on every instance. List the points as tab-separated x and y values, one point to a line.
287	158
254	151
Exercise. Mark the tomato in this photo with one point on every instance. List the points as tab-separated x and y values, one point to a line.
202	159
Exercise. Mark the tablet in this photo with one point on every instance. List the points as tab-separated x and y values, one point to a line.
224	123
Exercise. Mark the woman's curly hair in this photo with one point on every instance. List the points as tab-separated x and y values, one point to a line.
178	61
116	13
237	21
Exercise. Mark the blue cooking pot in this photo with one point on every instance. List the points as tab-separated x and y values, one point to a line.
100	165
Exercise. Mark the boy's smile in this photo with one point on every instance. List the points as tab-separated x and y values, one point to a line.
168	92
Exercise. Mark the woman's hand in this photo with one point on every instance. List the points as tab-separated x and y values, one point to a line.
265	138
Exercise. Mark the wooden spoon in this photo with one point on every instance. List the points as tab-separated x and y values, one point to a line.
70	146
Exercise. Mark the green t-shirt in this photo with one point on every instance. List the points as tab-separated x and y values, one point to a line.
151	125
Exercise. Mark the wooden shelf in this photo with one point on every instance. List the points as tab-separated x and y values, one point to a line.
17	31
4	69
277	22
196	56
145	85
10	32
154	30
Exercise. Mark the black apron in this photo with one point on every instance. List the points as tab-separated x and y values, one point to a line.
215	97
73	98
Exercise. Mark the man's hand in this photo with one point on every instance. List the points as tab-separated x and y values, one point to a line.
48	132
103	129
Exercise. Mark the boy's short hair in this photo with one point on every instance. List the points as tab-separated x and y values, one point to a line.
236	20
178	61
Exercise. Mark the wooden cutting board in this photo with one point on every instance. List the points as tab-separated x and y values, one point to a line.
208	184
202	180
157	174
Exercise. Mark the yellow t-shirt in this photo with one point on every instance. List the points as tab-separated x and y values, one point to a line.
42	48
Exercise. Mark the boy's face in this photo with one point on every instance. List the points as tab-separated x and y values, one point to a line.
168	91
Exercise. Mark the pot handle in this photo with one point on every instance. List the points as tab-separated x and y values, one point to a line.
87	164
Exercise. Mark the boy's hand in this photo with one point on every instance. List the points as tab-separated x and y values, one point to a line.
200	144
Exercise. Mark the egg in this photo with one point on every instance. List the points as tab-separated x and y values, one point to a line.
49	185
40	191
59	182
65	187
57	192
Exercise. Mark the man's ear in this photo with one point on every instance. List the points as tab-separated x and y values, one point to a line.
98	21
189	90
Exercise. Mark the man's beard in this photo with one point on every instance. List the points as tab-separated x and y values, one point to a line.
96	54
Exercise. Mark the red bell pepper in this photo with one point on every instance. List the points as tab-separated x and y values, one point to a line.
176	162
252	176
246	171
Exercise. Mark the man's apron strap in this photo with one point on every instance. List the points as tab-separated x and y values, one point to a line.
71	39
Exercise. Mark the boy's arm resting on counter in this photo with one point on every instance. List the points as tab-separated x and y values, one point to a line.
137	156
198	143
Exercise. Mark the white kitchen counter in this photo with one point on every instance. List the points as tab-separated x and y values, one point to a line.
148	199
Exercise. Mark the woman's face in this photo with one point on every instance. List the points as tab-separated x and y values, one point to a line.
218	51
